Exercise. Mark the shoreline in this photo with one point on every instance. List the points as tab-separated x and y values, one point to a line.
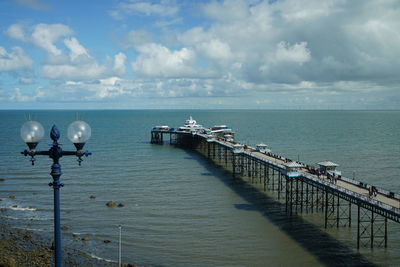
20	247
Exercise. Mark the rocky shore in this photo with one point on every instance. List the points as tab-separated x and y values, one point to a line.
26	248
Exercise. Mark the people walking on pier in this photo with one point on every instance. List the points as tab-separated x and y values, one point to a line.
374	191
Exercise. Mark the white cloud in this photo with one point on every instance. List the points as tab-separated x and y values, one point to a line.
109	88
158	61
136	38
90	70
194	36
215	49
26	80
45	35
229	48
79	65
300	85
230	10
76	49
16	59
119	64
18	96
293	10
297	53
163	8
71	61
16	31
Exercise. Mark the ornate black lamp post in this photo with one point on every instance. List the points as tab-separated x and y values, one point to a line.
78	132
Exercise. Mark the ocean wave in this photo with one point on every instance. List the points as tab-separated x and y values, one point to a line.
100	258
89	234
76	233
31	229
28	218
14	207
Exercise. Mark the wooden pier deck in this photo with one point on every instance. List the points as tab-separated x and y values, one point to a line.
305	189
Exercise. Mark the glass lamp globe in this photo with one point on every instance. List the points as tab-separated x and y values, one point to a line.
32	132
78	133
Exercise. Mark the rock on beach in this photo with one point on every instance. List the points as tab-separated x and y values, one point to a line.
111	204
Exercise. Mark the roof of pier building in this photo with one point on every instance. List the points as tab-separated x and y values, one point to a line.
327	164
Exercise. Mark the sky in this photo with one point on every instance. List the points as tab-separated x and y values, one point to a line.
170	54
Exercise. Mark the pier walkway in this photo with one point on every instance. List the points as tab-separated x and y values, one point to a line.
301	187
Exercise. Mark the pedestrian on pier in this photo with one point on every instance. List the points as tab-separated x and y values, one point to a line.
373	191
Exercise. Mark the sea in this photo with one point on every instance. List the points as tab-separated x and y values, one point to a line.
178	208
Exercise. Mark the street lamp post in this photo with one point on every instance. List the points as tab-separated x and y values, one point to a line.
119	246
78	132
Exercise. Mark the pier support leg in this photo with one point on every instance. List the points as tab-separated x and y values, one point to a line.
349	214
279	184
273	179
265	175
385	232
233	165
287	195
312	199
358	226
371	229
326	210
301	195
226	157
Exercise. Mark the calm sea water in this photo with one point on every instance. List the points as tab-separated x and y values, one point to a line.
180	210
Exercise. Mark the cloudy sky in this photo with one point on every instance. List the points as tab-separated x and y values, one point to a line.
135	54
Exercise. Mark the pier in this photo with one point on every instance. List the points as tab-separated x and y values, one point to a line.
342	202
